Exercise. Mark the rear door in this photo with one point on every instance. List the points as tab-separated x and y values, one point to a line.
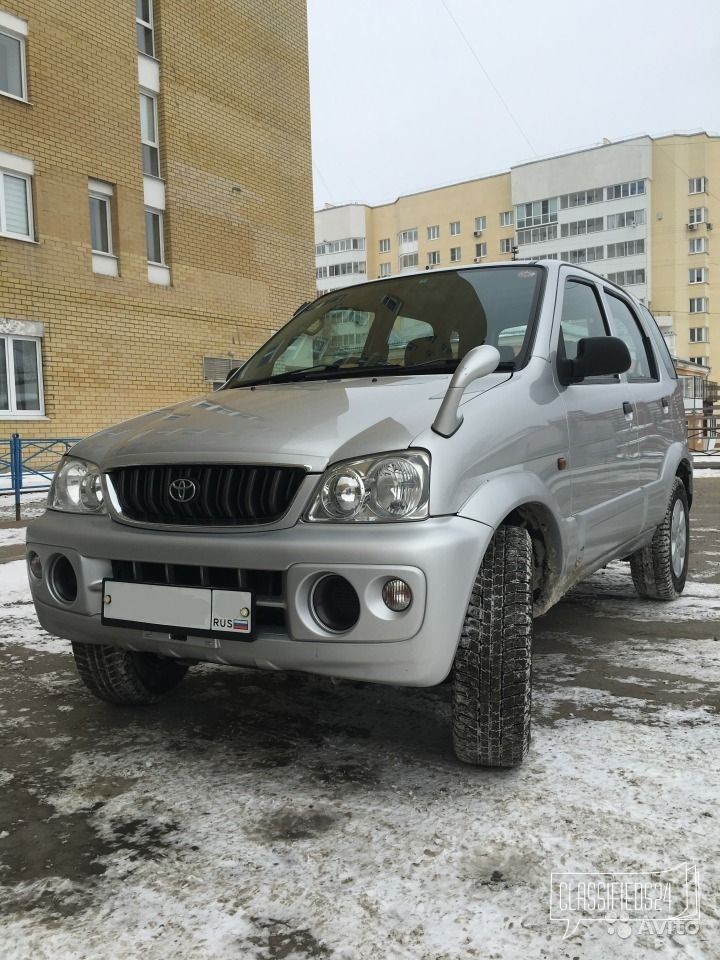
657	406
606	498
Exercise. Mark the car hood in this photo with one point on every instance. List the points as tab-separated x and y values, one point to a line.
308	423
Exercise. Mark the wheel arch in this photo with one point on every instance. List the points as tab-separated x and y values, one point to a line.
685	472
524	502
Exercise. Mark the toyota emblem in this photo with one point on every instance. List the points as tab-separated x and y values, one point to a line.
183	490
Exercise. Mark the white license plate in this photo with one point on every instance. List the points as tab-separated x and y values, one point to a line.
191	609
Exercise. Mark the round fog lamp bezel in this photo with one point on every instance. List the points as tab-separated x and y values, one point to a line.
396	583
32	558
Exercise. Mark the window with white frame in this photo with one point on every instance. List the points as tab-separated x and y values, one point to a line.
583	255
16	218
144	27
629	218
626	278
578	227
13	79
409	236
433	233
506	218
480	224
627	248
581	198
697	245
408	260
697	185
149	134
385	269
700	361
343	269
506	245
433	258
697	275
536	213
100	201
455	228
481	249
699	335
539	234
632	188
154	236
698	304
340	246
697	215
385	245
455	254
20	375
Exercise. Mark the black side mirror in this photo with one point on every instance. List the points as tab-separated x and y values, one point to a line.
596	357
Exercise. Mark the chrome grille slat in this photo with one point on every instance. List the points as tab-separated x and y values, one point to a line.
228	495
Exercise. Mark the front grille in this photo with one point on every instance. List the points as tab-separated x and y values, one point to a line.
266	586
227	495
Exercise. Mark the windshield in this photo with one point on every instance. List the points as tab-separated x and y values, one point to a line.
419	323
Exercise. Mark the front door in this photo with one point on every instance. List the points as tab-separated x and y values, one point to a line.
607	502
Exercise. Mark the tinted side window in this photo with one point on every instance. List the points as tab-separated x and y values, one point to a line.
581	316
628	329
661	347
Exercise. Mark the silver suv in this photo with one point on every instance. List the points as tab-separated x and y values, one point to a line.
388	490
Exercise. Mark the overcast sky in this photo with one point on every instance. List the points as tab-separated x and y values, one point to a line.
402	102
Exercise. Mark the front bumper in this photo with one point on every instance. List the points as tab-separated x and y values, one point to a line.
439	557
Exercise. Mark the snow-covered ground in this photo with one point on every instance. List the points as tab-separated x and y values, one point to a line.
277	817
32	504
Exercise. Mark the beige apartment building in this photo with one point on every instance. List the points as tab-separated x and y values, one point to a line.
638	211
155	200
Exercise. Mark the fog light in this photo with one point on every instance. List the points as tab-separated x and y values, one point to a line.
35	564
63	580
335	603
397	595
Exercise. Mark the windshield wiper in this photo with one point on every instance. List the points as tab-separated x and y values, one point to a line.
303	373
371	370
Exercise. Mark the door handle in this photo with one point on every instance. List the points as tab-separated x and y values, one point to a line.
665	404
627	409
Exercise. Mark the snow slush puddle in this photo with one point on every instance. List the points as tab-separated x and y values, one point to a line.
270	816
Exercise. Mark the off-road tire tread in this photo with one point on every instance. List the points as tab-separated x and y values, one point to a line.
492	670
651	566
125	677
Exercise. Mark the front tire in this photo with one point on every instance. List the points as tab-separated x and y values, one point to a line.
492	670
126	677
659	571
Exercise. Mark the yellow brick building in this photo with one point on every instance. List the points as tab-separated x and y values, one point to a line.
155	200
638	211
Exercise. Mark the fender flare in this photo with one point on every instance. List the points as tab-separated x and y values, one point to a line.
524	497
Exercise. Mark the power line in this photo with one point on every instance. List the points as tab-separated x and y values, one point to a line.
488	77
322	179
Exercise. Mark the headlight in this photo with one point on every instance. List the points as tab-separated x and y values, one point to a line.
77	487
395	486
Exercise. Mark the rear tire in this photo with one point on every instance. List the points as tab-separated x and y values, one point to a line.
126	677
659	571
492	670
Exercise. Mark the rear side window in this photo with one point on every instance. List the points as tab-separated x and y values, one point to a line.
642	366
661	347
582	316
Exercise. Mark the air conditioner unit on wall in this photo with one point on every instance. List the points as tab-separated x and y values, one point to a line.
692	226
478	233
477	259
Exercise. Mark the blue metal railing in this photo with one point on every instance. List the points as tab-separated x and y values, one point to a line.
29	465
